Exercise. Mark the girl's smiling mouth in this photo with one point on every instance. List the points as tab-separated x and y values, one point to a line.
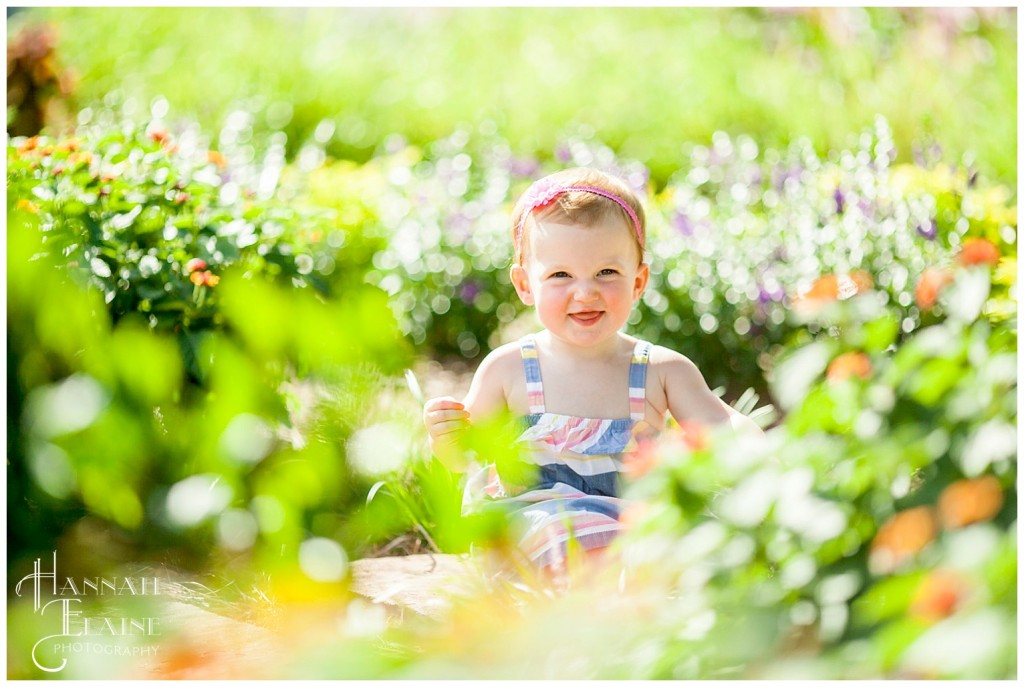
586	317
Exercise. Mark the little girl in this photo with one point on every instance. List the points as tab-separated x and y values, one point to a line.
587	392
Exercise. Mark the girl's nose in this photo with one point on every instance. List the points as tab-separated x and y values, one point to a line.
585	292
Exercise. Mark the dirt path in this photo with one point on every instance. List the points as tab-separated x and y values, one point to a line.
202	644
421	583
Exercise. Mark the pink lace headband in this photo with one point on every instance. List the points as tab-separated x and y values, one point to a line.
544	192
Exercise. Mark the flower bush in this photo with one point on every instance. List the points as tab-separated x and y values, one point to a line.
850	527
171	321
738	239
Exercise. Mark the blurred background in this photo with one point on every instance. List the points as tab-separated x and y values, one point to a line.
645	81
231	232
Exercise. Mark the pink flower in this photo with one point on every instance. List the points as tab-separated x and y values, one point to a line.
541	193
195	264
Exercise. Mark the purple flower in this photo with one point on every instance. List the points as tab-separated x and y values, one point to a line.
460	225
563	154
781	176
638	178
840	201
769	294
929	230
917	155
523	167
468	291
683	224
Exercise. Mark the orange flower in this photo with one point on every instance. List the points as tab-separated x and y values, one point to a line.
204	278
24	204
824	288
832	287
83	157
159	135
634	513
182	197
29	145
970	500
69	145
978	251
938	595
847	365
902	536
695	435
638	463
930	285
217	158
862	281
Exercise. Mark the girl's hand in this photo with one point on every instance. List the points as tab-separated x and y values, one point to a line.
445	419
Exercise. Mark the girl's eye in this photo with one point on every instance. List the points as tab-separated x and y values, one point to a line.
607	272
559	275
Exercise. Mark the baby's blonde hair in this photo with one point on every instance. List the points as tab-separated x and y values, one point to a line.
578	206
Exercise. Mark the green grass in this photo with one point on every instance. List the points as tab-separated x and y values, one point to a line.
645	80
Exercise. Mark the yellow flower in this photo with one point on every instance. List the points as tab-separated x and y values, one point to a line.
28	205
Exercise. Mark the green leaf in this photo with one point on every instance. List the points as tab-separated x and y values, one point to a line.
933	380
886	599
880	334
794	376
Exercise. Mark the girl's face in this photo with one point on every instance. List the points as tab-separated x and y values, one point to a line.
582	279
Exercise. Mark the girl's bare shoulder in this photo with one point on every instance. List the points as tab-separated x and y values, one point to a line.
672	366
494	382
503	359
660	355
501	368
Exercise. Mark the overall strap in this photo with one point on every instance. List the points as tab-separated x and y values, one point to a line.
534	387
638	380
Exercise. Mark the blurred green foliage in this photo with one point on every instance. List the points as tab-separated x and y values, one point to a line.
643	79
877	522
167	328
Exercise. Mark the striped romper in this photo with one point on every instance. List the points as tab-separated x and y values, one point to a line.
576	495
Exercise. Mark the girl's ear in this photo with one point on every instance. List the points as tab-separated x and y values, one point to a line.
521	281
643	273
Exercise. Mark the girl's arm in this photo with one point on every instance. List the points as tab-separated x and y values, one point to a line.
446	418
689	398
